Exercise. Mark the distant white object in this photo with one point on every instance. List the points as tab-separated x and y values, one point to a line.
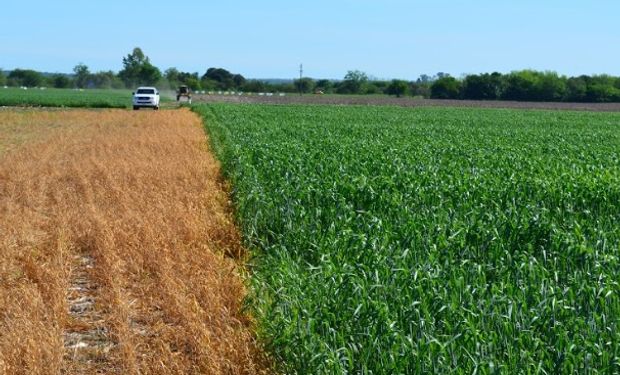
261	94
6	87
210	92
24	88
269	94
219	93
42	88
282	94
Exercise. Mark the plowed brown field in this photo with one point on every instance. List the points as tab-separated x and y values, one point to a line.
117	250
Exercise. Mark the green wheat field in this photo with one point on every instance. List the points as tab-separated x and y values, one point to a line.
395	240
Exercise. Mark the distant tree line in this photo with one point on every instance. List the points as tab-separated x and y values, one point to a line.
528	85
137	70
524	85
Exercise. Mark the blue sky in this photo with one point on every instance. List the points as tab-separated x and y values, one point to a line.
269	38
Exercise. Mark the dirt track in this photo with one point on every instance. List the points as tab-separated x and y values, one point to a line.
403	102
118	254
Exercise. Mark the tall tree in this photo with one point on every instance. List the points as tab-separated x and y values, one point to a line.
354	82
82	75
172	76
138	70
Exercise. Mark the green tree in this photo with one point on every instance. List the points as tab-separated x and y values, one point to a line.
376	87
522	86
397	87
138	70
210	85
107	80
602	88
482	87
149	74
193	83
530	85
354	82
254	85
324	85
172	76
82	75
551	87
222	79
2	78
25	77
176	78
602	93
577	89
446	88
61	81
192	80
238	80
422	86
305	85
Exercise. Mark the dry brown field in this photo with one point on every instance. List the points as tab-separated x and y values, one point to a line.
118	253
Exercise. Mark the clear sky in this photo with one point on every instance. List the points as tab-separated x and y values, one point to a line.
269	38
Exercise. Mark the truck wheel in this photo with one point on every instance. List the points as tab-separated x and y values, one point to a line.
135	108
156	108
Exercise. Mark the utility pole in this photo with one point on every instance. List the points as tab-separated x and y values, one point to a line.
301	73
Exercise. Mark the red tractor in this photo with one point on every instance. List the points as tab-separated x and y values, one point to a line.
184	92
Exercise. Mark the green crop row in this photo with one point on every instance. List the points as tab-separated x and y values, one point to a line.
65	98
400	241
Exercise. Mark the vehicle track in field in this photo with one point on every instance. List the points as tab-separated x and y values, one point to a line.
86	338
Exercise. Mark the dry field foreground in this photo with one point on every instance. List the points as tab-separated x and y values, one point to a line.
117	250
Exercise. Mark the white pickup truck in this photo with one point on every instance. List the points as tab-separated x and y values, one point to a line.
146	97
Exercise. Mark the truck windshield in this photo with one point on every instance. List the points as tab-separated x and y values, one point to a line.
146	91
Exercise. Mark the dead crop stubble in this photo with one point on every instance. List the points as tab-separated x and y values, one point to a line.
117	250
